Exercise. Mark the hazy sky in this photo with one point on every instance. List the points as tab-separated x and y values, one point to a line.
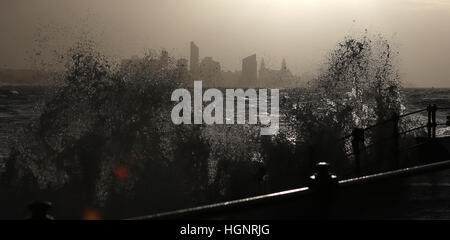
302	31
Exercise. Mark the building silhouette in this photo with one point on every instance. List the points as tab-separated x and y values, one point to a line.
276	78
210	72
164	59
182	63
283	66
249	71
194	59
182	68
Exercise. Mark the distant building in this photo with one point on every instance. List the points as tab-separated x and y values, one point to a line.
262	72
276	78
231	79
194	59
209	72
249	71
182	68
182	63
283	66
164	59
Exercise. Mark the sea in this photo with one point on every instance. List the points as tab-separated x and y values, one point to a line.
20	104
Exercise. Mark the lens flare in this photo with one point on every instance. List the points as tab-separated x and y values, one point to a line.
91	214
121	172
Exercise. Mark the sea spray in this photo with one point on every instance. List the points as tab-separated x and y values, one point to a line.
106	134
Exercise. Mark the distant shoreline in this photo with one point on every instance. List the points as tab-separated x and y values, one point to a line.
25	77
10	77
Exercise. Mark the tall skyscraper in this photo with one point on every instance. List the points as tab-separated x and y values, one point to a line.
249	71
262	66
194	59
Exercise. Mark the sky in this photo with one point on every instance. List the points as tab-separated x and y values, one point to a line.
301	31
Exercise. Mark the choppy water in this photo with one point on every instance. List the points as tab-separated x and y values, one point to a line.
18	105
419	98
17	109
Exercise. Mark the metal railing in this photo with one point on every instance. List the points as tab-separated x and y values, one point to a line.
318	196
323	185
358	135
316	200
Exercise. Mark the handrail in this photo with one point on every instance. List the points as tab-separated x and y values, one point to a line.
397	173
391	138
358	145
228	204
431	125
392	119
412	129
298	192
386	121
414	112
343	183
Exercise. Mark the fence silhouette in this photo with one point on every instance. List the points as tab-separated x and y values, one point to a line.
358	135
325	196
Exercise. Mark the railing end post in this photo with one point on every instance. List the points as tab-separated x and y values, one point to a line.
323	185
358	147
433	120
323	178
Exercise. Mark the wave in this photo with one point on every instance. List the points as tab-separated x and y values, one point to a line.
104	133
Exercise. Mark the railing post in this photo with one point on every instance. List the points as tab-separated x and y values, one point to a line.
323	184
396	141
39	210
429	110
433	120
357	147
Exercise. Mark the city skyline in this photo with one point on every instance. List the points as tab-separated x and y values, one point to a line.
303	31
210	71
